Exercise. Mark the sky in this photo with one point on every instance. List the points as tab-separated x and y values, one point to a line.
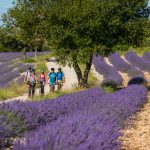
5	4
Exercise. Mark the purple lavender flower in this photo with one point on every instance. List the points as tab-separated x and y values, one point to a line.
110	73
85	120
146	55
140	62
125	67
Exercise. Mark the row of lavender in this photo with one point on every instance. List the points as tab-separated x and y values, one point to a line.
141	62
13	55
110	74
134	67
10	71
86	120
125	67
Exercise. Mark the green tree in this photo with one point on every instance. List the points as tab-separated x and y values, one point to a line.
79	29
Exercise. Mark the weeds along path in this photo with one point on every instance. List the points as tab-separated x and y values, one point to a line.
137	135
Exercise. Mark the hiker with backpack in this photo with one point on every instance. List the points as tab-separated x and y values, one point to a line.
60	79
42	80
52	79
32	83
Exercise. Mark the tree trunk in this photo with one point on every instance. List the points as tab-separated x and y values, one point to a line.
78	71
86	73
83	80
35	53
24	54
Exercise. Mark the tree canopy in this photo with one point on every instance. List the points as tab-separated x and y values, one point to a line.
78	29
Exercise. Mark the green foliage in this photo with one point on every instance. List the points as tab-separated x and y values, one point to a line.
29	60
108	89
111	84
76	30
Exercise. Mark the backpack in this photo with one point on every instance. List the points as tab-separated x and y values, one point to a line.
32	80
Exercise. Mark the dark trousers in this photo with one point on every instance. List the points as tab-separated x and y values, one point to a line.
31	90
42	87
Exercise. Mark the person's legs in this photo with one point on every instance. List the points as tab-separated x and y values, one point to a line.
59	85
33	91
52	87
29	91
42	88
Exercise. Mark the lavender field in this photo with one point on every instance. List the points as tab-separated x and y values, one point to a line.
13	55
134	66
11	70
85	120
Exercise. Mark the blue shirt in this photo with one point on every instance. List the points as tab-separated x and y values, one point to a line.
52	77
60	75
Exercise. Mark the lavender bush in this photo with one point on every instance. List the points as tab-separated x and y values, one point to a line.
13	55
125	67
140	62
85	120
6	78
146	55
110	74
9	72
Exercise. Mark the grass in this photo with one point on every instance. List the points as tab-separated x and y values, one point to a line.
108	89
12	91
29	60
41	61
138	50
56	94
92	80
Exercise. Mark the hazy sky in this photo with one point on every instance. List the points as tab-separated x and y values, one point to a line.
5	4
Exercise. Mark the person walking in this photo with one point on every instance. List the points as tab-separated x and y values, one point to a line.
52	79
60	79
31	84
27	74
42	80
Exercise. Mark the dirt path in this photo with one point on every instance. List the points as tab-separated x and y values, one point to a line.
137	136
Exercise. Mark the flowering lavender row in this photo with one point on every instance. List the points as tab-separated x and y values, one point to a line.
95	125
109	72
86	120
125	67
146	55
13	55
4	64
140	62
5	69
22	67
20	80
12	71
6	78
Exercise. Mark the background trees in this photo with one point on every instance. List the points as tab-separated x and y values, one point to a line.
79	29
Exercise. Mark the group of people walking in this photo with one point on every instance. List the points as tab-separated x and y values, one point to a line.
52	78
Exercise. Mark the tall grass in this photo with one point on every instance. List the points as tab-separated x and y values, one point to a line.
13	90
